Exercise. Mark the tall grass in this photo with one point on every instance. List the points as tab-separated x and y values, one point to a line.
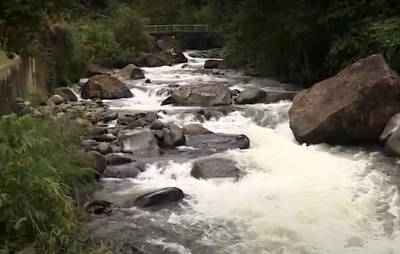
39	170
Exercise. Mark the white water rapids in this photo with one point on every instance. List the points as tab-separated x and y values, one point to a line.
295	199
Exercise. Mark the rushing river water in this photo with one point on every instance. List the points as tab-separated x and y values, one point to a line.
295	199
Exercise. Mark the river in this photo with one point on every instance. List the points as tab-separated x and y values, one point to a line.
295	199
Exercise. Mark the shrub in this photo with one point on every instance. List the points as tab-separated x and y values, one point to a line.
373	36
129	30
114	37
72	59
39	171
98	40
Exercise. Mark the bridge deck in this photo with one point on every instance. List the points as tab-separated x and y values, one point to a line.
159	29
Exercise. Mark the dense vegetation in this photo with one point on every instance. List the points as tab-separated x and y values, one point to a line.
80	32
40	170
305	41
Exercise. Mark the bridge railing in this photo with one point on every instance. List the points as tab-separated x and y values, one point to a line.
156	29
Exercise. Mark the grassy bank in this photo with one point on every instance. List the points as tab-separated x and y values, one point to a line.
41	166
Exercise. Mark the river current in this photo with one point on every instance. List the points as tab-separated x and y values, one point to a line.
295	199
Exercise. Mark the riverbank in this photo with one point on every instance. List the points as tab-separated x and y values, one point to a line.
42	171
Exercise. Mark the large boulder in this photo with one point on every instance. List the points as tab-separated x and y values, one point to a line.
205	95
131	71
352	106
105	87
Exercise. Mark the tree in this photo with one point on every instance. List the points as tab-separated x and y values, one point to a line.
306	40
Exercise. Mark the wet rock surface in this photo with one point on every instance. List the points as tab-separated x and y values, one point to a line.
157	198
215	168
352	106
205	95
105	87
131	71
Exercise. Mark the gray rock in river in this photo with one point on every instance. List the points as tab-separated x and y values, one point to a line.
256	95
205	95
160	197
109	116
97	131
128	170
215	168
66	93
131	71
108	138
140	142
115	159
195	129
97	161
104	148
173	136
198	146
250	96
218	142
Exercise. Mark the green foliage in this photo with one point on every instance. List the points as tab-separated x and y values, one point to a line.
305	41
37	99
71	57
21	21
110	37
128	28
98	41
39	170
380	36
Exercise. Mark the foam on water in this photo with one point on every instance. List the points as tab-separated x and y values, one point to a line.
294	200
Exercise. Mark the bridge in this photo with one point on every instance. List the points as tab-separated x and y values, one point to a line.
178	28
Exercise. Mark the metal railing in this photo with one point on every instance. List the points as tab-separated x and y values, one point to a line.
159	29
